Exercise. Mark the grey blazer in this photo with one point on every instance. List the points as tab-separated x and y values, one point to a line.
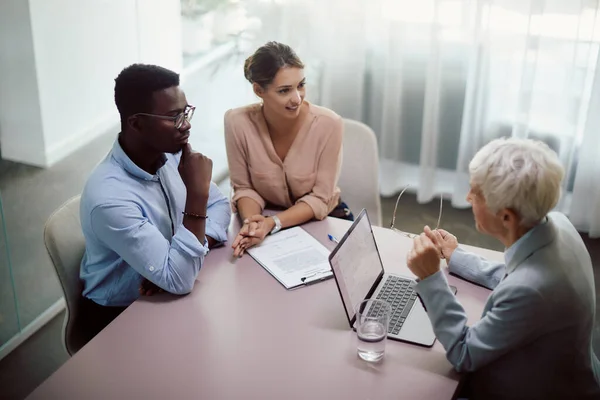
534	339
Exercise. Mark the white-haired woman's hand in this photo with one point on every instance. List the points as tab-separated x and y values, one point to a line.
444	241
423	260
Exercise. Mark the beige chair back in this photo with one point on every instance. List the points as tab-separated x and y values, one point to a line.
359	177
66	245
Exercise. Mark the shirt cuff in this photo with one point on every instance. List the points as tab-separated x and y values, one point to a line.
215	231
458	262
320	208
188	243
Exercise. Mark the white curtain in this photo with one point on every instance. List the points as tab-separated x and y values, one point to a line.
437	79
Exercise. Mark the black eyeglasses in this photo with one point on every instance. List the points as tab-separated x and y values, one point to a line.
412	235
178	120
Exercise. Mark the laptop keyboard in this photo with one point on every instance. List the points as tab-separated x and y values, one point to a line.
399	293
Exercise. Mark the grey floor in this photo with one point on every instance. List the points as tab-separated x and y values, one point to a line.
36	359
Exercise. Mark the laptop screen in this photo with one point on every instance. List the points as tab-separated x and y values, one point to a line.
356	264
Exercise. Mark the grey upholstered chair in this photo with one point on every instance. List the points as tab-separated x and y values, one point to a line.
65	244
359	178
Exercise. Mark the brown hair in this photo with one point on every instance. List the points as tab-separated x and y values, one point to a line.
267	60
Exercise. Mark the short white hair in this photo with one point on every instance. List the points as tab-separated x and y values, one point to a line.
523	175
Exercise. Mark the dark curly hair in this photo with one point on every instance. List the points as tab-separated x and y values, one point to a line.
135	85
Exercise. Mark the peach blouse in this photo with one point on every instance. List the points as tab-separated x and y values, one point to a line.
309	172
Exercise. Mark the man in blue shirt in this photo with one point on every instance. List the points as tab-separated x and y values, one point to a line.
149	211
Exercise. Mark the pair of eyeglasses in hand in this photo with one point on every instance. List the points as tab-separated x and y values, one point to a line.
412	235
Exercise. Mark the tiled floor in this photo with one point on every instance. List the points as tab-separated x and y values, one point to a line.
38	357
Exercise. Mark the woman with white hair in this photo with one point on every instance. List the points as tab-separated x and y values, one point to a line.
534	339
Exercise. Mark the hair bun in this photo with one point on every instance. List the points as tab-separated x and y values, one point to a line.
262	66
247	72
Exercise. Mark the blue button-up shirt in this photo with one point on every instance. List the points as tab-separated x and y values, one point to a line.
133	227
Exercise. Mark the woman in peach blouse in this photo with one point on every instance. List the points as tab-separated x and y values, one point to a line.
284	153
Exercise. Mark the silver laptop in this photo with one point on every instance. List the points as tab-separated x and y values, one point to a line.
359	274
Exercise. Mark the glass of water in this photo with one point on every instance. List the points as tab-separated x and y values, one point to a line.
372	321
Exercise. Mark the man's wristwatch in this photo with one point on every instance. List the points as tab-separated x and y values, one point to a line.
277	226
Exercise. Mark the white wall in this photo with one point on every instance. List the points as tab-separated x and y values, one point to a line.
159	30
79	48
20	115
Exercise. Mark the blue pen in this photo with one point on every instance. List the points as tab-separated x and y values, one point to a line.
333	238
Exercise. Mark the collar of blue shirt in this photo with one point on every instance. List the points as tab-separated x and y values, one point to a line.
128	165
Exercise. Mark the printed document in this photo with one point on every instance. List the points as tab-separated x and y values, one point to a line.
293	257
